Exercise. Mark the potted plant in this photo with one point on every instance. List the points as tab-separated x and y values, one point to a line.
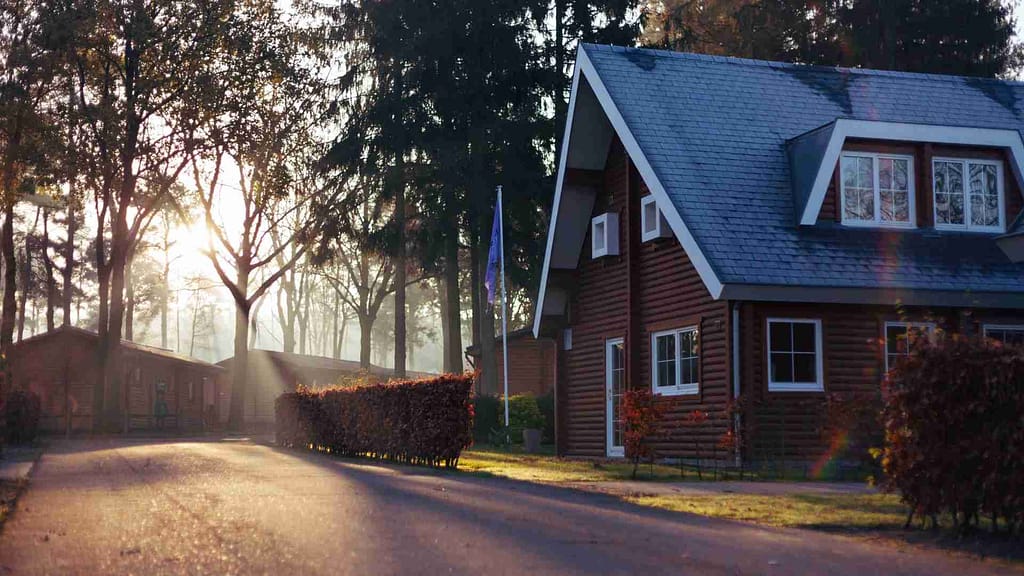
525	415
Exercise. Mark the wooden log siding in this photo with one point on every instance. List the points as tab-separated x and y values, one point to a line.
923	153
668	293
791	423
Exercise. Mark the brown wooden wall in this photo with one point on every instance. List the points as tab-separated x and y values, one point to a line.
531	365
665	292
923	154
61	368
791	423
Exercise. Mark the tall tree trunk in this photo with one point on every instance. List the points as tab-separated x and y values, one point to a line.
365	340
68	273
334	325
165	294
452	309
236	411
401	271
129	313
51	281
26	286
10	275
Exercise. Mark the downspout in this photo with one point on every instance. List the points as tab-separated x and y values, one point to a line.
736	378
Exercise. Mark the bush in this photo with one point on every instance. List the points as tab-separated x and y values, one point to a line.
641	414
954	432
21	413
546	403
487	410
523	413
418	422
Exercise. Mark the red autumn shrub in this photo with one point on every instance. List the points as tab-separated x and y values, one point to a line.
954	432
641	413
418	422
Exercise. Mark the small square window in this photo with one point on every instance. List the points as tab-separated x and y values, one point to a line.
900	338
675	362
794	356
652	221
604	235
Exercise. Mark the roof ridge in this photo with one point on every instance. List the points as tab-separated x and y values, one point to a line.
798	66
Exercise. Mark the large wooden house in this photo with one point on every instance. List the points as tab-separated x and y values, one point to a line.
730	229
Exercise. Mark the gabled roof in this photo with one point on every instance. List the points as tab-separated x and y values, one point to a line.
126	344
311	362
711	137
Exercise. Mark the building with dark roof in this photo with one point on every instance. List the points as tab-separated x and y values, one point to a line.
728	229
162	390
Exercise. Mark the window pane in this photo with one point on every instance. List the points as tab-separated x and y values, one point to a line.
667	373
849	172
894	197
781	367
805	368
803	337
781	336
666	360
865	173
688	370
896	339
949	193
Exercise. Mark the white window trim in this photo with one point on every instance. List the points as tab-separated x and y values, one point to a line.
1009	327
661	229
688	389
610	221
610	450
1000	186
928	326
816	386
877	222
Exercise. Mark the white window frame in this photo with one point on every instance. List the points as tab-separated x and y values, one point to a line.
611	450
1004	327
966	175
928	326
609	223
877	221
660	227
679	389
819	364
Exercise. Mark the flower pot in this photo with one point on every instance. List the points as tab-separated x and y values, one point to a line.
531	440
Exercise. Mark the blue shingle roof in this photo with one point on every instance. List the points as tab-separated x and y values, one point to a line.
714	130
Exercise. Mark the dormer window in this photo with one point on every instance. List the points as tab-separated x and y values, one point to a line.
652	222
877	190
968	194
604	235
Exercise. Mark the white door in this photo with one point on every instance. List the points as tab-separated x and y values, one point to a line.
614	384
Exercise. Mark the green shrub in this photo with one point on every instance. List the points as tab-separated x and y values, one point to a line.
21	413
954	432
488	412
418	422
523	413
546	403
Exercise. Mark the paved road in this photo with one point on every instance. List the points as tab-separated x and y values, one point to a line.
114	507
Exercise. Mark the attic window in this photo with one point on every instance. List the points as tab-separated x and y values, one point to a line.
604	235
877	190
652	223
968	194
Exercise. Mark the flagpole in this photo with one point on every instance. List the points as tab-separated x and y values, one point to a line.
504	306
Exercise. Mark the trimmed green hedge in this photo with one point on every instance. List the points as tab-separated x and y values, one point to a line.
427	422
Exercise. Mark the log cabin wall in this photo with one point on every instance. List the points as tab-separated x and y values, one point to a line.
665	293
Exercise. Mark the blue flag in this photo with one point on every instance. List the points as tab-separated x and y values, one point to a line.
492	257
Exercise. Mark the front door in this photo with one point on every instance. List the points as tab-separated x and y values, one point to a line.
615	384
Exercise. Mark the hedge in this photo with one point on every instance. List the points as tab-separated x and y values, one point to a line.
21	411
954	431
426	422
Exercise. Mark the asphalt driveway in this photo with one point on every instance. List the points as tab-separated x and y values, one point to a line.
111	506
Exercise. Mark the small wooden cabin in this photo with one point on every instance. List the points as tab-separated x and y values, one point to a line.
163	390
531	366
271	373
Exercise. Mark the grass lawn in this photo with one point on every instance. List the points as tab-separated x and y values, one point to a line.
833	512
549	469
